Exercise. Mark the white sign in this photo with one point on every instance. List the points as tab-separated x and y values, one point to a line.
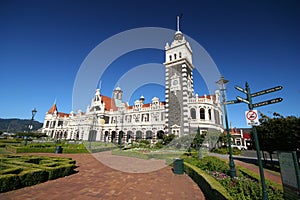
252	118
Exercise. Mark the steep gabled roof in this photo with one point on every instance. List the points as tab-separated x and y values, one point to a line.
52	109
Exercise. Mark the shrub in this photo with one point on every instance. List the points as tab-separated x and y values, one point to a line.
209	163
21	171
246	186
210	187
224	150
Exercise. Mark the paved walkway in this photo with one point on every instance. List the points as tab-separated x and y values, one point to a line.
95	180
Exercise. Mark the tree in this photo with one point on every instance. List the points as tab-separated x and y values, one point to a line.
279	133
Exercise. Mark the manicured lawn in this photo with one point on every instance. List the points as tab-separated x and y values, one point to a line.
3	151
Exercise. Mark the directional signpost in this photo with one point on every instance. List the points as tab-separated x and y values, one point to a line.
266	91
267	102
252	119
231	102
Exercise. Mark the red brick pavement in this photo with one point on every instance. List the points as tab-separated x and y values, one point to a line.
95	180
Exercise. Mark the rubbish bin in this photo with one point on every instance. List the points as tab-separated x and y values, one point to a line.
178	166
58	149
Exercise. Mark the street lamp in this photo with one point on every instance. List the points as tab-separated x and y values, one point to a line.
33	112
222	83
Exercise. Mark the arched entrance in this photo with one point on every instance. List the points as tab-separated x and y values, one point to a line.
113	136
129	136
149	135
139	135
160	134
106	136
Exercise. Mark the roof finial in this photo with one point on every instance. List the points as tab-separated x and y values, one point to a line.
99	84
178	21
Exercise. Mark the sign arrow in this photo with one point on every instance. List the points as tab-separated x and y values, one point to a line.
232	102
266	91
240	89
243	100
277	100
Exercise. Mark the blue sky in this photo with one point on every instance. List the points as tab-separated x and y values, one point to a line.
43	44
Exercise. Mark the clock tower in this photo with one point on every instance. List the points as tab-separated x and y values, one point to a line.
179	83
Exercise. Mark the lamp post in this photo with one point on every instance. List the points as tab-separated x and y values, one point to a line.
121	132
33	112
222	83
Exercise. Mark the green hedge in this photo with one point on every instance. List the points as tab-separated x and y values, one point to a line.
25	149
21	171
211	188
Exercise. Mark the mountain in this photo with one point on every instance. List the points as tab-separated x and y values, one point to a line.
18	125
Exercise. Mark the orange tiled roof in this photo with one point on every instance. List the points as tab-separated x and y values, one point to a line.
146	105
109	103
60	114
209	97
52	109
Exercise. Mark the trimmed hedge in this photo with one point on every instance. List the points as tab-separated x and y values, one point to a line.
23	149
22	171
211	188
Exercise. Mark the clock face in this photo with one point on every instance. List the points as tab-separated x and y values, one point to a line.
175	82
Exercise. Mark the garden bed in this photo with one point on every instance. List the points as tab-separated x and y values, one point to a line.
245	186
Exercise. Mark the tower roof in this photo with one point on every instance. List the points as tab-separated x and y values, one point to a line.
52	109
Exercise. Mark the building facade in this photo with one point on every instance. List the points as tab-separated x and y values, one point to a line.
110	119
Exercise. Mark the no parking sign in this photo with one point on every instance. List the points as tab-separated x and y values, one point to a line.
252	118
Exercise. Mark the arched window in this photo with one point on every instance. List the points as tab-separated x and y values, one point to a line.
179	54
170	57
209	114
174	56
217	119
193	113
202	113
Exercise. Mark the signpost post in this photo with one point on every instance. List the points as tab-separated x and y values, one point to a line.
252	119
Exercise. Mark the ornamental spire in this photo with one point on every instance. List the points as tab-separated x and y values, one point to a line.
178	21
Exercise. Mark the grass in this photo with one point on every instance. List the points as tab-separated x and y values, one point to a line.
4	151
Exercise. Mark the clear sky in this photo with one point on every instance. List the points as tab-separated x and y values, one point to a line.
43	44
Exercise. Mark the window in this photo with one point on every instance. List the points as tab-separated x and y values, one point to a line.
170	57
174	56
202	113
193	113
179	54
209	114
217	119
47	124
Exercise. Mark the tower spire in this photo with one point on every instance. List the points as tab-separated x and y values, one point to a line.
178	21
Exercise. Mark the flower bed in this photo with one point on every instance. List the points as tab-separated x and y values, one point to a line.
245	186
